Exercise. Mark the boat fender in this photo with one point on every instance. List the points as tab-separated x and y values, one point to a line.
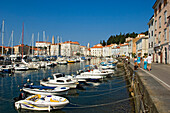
49	108
31	83
28	80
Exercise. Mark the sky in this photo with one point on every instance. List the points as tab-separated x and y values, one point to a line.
85	21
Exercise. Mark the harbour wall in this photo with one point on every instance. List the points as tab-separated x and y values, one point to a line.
140	90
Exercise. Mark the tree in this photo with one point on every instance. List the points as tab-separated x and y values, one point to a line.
104	43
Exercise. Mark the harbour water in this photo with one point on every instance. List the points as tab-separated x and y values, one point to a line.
108	96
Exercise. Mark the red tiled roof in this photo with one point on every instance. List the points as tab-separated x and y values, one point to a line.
71	42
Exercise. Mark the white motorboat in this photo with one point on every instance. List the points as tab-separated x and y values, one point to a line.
20	67
96	72
45	90
59	81
33	65
85	78
42	102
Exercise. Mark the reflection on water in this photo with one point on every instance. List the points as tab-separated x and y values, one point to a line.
109	90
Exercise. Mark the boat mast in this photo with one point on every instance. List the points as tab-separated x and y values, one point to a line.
2	37
22	38
12	42
32	44
38	40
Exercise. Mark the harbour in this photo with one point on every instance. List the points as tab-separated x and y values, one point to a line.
109	95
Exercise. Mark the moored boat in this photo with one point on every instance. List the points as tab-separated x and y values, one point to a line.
42	102
45	90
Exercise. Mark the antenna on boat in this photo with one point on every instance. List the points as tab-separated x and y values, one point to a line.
22	38
2	37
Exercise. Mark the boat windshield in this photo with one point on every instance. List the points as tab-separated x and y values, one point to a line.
69	80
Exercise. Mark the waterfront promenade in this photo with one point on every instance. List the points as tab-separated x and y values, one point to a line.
157	84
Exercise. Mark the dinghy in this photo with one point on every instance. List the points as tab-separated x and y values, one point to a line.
45	90
41	102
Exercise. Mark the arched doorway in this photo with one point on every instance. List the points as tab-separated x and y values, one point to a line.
165	55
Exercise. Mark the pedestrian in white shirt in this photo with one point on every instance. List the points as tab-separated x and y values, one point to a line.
149	60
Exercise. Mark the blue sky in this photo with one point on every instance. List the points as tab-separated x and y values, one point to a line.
76	20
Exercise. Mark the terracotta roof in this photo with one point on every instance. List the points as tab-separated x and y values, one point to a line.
71	42
97	47
116	47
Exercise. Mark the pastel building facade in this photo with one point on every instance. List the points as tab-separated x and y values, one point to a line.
151	39
97	50
142	46
124	49
162	31
70	48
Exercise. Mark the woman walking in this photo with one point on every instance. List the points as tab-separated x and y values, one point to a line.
135	62
145	62
139	60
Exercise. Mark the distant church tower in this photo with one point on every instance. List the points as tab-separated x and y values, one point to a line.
88	45
53	40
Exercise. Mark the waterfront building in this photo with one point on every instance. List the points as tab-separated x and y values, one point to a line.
115	51
124	49
70	48
44	46
142	46
162	29
107	51
130	46
97	50
134	43
151	39
83	50
56	49
18	49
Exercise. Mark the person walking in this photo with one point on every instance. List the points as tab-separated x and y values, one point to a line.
145	62
139	60
149	59
135	62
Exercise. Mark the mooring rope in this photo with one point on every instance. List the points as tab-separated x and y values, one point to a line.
102	93
107	90
78	106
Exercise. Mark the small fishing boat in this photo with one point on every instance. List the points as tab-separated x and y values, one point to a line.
6	68
71	60
45	90
42	102
62	62
59	81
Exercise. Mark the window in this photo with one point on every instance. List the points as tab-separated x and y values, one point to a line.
165	34
155	25
151	44
160	22
165	2
165	17
160	7
159	37
151	33
155	12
